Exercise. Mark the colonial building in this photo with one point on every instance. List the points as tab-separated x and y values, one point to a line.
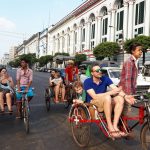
12	52
31	45
96	21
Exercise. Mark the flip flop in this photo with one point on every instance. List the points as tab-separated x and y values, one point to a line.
114	134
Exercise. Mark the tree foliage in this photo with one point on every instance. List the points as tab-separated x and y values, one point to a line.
106	49
44	60
31	58
143	40
63	53
79	58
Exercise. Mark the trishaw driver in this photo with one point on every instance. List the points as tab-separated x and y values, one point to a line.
97	94
24	79
71	72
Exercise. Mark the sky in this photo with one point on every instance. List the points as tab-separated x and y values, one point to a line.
20	19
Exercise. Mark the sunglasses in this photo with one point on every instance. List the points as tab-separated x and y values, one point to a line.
97	70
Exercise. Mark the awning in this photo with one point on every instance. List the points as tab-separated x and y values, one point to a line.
63	58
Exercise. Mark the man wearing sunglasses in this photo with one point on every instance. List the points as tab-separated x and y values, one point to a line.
97	94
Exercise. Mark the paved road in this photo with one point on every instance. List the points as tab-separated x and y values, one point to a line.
50	130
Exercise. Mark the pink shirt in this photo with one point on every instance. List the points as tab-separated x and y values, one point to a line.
24	77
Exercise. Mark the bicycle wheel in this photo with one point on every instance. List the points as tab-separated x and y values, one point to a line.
26	115
80	130
69	97
47	98
145	137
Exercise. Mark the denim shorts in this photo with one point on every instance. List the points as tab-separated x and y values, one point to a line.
29	94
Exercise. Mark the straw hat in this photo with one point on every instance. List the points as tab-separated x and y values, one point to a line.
70	62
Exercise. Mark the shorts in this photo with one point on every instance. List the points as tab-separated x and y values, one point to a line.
29	94
99	104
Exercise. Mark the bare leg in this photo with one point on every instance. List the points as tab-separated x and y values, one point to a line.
1	101
119	102
19	104
63	93
108	111
9	101
56	89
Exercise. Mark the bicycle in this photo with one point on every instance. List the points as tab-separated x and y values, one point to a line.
25	110
81	116
70	95
49	96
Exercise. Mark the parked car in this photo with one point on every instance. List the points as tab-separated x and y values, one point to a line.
102	63
114	74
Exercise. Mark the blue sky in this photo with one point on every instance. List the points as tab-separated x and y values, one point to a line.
20	19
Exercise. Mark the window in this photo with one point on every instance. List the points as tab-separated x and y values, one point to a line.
105	25
104	39
93	31
139	13
92	45
83	35
75	37
120	16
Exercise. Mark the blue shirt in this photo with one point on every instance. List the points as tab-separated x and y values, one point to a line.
98	88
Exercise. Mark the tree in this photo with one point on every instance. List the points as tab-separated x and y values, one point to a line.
31	58
63	53
79	58
106	49
44	60
143	40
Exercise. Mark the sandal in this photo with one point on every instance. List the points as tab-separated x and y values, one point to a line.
123	134
114	134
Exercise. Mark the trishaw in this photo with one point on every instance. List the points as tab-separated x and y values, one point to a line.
49	96
82	115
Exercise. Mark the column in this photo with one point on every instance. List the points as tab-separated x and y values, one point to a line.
125	24
61	46
87	46
99	29
79	39
147	18
96	31
112	38
130	23
72	43
109	28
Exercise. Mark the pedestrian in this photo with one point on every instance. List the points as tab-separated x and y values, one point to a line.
129	74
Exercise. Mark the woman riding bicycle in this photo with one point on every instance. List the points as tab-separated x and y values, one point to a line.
6	89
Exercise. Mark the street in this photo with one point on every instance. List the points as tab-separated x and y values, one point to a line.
51	130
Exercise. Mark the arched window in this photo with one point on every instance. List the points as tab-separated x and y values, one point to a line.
92	31
139	18
119	20
82	34
104	14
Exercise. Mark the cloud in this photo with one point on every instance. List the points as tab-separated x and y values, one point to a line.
6	24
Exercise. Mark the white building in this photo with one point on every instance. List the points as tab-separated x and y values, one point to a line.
5	59
96	21
31	45
12	52
42	51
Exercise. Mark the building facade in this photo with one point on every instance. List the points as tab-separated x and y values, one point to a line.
97	21
12	52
